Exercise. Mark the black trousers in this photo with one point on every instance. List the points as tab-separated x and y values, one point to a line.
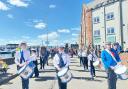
80	61
36	71
85	62
41	65
25	83
112	79
43	61
61	85
92	69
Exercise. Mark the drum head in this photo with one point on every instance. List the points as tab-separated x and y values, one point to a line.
120	70
21	70
62	72
96	63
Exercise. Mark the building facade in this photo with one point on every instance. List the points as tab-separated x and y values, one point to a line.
109	22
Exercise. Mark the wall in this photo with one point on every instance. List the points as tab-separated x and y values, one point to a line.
125	22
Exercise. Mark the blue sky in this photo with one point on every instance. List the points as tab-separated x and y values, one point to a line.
29	20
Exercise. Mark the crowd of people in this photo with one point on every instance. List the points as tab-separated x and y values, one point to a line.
61	58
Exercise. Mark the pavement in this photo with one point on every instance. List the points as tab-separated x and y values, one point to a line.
11	73
80	80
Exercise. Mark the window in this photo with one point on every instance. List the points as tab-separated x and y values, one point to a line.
110	30
97	33
110	16
96	19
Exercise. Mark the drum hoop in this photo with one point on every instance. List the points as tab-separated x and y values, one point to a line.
22	69
64	73
120	73
69	79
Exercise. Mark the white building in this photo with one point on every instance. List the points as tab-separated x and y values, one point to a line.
110	21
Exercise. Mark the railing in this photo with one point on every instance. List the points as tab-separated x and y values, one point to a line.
8	61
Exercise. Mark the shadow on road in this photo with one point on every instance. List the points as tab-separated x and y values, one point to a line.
50	70
87	79
45	78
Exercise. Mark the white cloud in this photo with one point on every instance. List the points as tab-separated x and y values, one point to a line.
19	3
51	36
52	6
64	30
3	6
75	29
10	16
40	25
71	40
74	34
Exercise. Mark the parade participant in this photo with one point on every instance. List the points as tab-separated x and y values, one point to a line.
85	59
117	47
61	60
21	58
80	56
110	63
34	58
92	58
43	56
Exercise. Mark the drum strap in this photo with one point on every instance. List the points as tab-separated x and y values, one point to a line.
22	57
61	62
111	55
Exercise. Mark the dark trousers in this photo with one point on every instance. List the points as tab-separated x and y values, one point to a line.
44	61
41	65
25	83
60	84
85	62
92	69
112	79
36	71
80	61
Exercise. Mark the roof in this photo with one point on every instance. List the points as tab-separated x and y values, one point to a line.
95	3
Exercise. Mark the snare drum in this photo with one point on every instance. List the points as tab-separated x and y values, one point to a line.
65	75
96	63
27	70
121	70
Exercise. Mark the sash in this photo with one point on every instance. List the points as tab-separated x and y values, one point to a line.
61	62
111	55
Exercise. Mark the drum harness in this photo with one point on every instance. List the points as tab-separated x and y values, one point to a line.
21	59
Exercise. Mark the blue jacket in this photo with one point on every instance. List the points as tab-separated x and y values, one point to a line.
108	60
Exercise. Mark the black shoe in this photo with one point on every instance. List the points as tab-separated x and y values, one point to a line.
92	78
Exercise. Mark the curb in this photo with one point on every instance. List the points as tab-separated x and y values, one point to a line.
8	79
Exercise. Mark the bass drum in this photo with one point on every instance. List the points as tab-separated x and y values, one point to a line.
65	75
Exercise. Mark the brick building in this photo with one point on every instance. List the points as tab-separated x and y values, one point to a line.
103	21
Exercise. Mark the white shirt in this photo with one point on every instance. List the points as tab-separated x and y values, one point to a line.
93	57
33	57
65	58
84	53
80	53
18	56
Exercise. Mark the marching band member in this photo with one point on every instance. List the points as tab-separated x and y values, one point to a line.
85	59
92	57
21	58
80	56
34	58
109	64
60	61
